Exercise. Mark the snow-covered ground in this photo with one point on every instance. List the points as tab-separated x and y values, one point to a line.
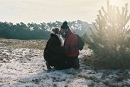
24	67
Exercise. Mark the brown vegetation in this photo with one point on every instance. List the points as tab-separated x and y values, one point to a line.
15	43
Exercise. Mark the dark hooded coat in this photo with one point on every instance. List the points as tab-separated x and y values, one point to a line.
49	54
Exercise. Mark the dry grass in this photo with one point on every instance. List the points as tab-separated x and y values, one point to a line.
31	44
85	47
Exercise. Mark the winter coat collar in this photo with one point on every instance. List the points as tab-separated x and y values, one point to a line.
53	35
68	33
58	37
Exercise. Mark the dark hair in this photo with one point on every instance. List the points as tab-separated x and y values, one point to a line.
55	30
65	25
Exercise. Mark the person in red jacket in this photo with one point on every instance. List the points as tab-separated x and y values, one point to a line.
71	40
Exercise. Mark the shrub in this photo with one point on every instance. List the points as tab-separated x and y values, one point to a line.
110	40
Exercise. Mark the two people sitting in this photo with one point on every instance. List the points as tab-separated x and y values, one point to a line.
59	53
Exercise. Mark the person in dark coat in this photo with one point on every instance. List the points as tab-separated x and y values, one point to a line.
52	57
71	40
54	41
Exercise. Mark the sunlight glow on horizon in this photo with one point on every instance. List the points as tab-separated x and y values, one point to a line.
53	10
113	2
119	3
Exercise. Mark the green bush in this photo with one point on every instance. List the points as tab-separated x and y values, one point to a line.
110	38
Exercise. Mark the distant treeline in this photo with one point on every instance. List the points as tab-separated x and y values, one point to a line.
28	31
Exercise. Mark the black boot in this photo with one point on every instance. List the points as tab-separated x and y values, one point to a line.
76	64
48	66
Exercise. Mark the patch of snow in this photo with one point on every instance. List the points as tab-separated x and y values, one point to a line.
27	68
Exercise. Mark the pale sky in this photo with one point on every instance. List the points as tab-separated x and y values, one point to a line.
39	11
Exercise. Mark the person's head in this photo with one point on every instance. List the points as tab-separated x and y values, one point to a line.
56	30
64	28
